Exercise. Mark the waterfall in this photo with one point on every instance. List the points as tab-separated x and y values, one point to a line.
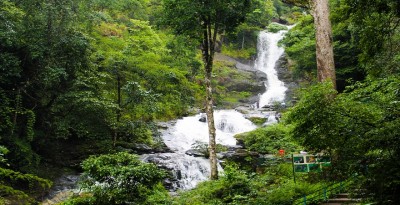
192	131
268	54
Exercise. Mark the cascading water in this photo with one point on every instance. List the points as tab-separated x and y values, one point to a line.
190	131
268	54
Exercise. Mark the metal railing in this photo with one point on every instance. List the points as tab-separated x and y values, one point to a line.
323	194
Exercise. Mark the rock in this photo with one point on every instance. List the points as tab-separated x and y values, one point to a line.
195	153
254	87
163	125
286	76
242	157
142	148
139	148
203	118
237	155
267	107
240	142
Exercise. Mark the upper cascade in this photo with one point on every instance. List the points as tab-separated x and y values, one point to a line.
268	54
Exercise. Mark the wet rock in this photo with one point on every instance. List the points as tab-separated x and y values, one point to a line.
238	155
245	159
195	153
164	125
203	118
286	76
63	187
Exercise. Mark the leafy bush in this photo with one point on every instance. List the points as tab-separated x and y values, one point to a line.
19	188
269	139
122	178
275	28
232	51
275	186
232	188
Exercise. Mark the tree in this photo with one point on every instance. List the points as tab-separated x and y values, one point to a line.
323	36
204	20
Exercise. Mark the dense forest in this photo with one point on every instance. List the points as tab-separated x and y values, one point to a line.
82	81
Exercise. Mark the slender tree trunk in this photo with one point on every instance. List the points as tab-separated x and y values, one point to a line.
324	47
211	124
208	51
242	40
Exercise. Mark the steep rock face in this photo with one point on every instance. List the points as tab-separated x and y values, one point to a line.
285	75
243	78
255	79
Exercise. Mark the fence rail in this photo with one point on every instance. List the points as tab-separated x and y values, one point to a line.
323	194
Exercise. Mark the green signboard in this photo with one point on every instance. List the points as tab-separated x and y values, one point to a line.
310	163
300	168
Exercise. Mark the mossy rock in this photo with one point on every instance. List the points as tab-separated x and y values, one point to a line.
258	120
275	28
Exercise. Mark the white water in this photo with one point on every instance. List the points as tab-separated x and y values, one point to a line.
268	54
188	132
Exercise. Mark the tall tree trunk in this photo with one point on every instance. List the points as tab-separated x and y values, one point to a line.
324	47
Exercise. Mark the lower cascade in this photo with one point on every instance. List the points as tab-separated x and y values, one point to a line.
192	132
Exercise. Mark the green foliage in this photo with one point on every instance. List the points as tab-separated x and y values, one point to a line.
274	27
287	12
269	140
3	151
113	178
299	45
231	188
315	103
60	62
261	13
18	187
148	88
274	186
233	51
360	130
258	120
375	32
187	17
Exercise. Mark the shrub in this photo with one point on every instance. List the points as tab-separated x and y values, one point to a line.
274	27
268	140
121	178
